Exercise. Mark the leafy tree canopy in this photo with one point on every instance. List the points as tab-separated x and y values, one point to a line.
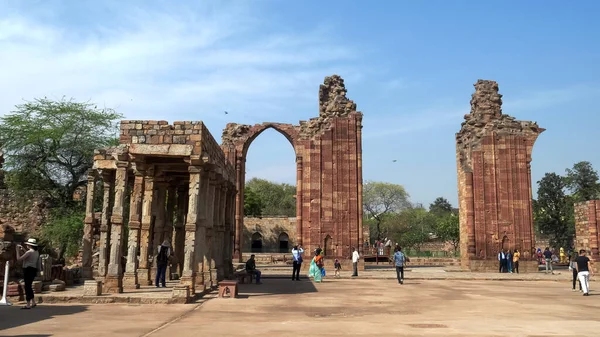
440	206
276	199
448	229
553	210
252	203
380	199
49	144
582	181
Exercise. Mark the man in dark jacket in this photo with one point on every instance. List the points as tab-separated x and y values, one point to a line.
251	268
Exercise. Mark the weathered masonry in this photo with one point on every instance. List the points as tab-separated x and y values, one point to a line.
329	172
587	230
180	188
493	154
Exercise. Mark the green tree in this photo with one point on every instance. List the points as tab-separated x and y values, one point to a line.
582	181
380	199
411	227
553	211
49	145
441	206
252	203
448	229
277	199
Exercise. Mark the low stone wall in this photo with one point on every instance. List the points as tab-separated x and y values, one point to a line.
489	266
271	231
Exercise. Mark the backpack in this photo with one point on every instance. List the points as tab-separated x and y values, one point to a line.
163	257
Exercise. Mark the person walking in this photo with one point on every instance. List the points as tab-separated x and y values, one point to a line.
400	262
355	258
584	269
31	265
515	259
297	252
573	268
162	261
548	258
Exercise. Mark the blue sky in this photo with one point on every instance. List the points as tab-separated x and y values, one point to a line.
409	65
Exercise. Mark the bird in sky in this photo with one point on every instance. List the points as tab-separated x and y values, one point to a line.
394	160
226	112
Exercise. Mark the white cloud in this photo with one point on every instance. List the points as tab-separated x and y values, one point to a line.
169	62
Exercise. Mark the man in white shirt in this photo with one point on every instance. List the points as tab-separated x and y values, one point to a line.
355	257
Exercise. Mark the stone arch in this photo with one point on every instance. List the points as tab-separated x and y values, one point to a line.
328	246
257	243
328	152
284	242
505	243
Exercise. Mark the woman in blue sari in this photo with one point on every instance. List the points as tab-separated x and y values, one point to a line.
316	265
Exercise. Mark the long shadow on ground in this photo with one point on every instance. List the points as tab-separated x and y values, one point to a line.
277	286
13	316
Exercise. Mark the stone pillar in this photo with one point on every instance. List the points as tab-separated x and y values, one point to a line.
220	231
171	199
209	264
179	230
144	276
159	222
107	183
88	230
359	195
229	234
114	276
202	264
130	279
299	200
188	276
239	208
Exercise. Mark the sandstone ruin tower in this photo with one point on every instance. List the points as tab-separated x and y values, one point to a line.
328	169
493	154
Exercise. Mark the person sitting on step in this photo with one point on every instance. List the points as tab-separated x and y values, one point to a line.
251	268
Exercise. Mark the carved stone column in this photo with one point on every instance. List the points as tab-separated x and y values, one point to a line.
179	230
159	221
239	209
114	276
209	265
188	276
88	230
228	235
202	263
170	215
143	271
299	176
130	279
218	232
103	256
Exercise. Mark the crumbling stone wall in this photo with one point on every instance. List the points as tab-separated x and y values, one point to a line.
25	214
493	153
329	171
587	229
270	230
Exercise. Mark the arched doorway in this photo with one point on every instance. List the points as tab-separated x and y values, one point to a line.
257	243
505	243
328	244
284	240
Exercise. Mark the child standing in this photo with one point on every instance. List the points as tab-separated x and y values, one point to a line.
338	266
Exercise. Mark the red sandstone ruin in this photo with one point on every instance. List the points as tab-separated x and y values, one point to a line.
493	154
329	172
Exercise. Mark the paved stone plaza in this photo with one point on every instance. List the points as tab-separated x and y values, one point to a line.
359	307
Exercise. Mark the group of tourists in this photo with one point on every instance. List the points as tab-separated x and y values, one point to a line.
509	261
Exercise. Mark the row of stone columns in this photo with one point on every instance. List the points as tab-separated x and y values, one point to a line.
201	234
